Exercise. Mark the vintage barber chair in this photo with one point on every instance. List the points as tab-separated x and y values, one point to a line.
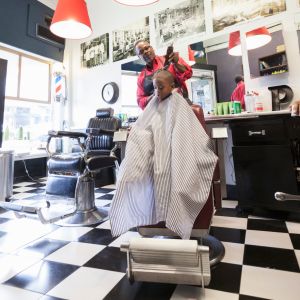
178	261
71	176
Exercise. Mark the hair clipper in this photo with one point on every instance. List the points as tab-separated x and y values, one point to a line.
170	50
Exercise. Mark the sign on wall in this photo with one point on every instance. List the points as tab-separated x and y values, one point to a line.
185	19
229	12
95	52
124	39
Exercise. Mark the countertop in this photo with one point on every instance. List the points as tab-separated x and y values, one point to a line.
243	115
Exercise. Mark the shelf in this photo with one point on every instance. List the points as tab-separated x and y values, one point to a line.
273	64
283	68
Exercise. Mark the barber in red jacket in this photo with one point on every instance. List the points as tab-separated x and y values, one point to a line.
171	62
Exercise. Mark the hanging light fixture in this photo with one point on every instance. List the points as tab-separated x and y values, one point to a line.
254	39
136	2
257	38
71	20
234	47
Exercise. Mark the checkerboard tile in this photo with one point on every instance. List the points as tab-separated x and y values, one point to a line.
262	258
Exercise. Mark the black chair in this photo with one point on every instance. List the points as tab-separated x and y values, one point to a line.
64	169
71	176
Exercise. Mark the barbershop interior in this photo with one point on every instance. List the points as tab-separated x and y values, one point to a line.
189	191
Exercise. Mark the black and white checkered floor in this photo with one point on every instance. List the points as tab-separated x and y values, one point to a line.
50	262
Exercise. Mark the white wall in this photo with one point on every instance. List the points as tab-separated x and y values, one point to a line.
85	84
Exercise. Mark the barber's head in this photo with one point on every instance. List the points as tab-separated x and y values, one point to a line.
144	51
163	82
238	78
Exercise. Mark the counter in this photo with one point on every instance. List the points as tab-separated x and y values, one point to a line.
244	115
266	157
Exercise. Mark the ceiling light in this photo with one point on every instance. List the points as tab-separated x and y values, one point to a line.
71	20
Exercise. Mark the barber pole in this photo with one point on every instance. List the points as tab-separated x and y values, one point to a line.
58	81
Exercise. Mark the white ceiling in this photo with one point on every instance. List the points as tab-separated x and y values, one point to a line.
50	3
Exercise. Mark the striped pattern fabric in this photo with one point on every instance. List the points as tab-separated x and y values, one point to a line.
167	171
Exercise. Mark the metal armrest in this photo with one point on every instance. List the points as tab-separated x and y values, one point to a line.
279	196
70	134
99	131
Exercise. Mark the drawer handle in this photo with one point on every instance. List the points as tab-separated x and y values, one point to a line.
262	132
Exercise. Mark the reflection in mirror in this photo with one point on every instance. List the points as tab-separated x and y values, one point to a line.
129	75
271	58
227	66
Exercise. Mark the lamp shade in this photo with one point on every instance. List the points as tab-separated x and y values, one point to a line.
257	38
254	39
71	20
136	2
234	47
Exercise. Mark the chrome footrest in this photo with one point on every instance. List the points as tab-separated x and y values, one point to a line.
168	261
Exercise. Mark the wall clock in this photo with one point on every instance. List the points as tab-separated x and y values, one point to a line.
110	92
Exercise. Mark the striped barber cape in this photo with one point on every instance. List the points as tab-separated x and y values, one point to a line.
167	171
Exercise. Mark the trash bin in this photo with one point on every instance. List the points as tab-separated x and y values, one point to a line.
6	173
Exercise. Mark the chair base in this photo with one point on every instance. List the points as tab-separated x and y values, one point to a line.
216	249
85	218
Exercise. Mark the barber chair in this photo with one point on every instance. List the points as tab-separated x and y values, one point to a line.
70	188
181	261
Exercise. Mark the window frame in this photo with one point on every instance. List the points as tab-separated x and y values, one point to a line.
20	55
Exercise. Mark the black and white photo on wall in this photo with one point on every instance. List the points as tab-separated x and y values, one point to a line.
95	52
230	12
184	19
123	40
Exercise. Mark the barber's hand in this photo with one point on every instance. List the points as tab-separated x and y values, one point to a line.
295	108
174	57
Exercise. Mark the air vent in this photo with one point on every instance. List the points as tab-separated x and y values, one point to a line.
45	33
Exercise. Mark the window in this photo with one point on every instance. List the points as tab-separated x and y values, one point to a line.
27	110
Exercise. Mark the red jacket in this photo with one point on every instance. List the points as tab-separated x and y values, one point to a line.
239	93
158	63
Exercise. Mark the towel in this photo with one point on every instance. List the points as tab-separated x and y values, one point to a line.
167	171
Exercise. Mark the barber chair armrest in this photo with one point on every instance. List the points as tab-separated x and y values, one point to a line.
70	134
99	131
96	163
279	196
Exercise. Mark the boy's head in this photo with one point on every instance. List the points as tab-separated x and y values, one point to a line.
163	82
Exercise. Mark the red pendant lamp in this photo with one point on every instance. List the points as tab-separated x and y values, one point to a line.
234	47
71	20
254	39
136	2
258	37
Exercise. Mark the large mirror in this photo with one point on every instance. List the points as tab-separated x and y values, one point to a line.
269	59
227	66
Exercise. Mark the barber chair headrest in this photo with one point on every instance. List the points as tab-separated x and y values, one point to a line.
104	112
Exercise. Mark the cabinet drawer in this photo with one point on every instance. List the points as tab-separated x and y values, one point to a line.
259	132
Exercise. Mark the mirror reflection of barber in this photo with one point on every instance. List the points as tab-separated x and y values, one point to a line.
171	62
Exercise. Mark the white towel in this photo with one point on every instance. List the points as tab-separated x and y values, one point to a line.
167	171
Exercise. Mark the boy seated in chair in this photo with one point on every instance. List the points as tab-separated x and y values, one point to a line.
168	167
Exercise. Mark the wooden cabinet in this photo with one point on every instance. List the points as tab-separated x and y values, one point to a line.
266	157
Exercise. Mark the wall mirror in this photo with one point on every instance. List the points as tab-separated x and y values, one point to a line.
227	66
269	59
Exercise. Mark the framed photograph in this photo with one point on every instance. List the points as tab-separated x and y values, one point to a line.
230	12
123	40
185	19
95	52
